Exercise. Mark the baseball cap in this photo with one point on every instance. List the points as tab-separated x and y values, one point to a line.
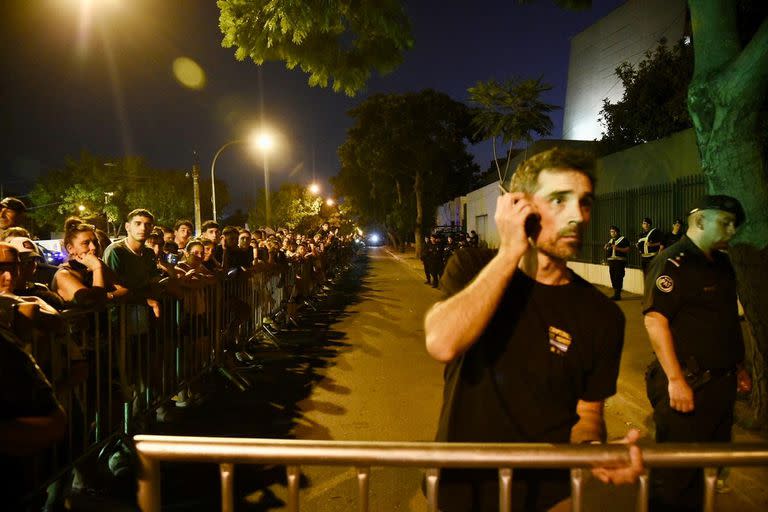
720	202
26	247
14	204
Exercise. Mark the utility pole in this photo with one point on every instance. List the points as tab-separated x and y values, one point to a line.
196	189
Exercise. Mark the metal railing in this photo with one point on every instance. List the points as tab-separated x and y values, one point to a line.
136	362
663	203
226	452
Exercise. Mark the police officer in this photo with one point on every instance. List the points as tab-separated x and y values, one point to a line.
649	244
675	235
692	321
434	259
616	255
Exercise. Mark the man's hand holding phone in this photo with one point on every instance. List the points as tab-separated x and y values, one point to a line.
517	221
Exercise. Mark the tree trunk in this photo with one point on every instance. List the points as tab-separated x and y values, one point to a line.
417	189
726	123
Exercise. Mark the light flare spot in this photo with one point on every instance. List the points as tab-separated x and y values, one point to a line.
189	73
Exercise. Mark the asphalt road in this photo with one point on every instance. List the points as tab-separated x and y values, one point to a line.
356	369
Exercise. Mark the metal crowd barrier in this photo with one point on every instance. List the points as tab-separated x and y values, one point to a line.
136	362
226	452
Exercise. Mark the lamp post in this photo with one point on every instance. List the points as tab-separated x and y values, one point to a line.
265	141
213	176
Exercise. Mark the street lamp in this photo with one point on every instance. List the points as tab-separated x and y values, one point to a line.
213	175
260	140
265	141
81	208
330	201
314	188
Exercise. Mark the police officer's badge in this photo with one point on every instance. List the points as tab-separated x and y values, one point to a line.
665	284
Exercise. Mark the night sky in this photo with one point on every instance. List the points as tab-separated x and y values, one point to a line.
109	87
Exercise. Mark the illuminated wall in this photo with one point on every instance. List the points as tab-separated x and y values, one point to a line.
624	35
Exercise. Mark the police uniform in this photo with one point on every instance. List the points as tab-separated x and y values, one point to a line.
617	263
697	295
648	252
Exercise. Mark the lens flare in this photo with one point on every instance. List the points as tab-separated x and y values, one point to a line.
189	73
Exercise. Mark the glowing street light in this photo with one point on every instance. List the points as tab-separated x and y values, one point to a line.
314	188
81	208
330	201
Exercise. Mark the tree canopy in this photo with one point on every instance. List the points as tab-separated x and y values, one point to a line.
108	189
654	104
510	111
336	41
404	155
292	206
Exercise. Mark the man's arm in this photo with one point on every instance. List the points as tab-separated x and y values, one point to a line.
455	324
591	424
680	393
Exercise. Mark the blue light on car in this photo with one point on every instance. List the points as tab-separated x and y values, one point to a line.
375	238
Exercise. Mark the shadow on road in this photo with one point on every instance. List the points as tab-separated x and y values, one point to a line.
281	380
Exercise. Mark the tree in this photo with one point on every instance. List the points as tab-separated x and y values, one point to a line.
726	100
653	105
336	40
510	111
293	206
107	189
404	156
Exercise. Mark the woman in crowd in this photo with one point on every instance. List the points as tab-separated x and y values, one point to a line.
84	279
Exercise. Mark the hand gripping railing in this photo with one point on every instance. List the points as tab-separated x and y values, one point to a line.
362	455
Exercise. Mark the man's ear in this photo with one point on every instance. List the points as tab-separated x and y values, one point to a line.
699	221
127	225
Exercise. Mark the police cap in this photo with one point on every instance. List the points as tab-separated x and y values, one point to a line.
720	202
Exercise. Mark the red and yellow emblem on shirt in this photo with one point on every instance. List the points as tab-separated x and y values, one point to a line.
559	341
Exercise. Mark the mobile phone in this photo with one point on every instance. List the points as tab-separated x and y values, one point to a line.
533	225
172	258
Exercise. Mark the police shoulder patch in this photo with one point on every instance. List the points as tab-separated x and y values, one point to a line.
665	284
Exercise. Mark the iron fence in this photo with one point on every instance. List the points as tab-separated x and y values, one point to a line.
626	209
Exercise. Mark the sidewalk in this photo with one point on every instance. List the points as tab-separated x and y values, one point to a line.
630	408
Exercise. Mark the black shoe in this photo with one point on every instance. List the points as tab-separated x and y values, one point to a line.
427	282
616	296
434	285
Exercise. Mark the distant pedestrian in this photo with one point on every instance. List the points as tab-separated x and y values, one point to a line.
473	239
616	255
692	321
648	244
675	235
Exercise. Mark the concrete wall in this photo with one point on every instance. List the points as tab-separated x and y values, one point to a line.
451	213
598	274
624	35
652	163
481	204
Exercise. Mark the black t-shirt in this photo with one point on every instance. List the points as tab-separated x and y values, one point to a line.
698	297
24	392
544	349
236	257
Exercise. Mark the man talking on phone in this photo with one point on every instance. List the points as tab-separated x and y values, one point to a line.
532	350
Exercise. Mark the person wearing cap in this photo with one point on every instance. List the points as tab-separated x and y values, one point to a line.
692	321
12	212
616	256
25	285
675	235
648	244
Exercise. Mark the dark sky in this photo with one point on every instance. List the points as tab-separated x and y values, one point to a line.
108	86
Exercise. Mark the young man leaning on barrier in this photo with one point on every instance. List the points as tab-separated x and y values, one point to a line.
532	349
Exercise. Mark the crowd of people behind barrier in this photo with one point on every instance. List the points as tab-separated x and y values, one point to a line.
116	335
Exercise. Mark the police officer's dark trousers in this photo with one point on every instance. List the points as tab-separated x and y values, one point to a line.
711	421
616	271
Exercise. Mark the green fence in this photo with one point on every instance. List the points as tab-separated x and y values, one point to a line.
626	208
